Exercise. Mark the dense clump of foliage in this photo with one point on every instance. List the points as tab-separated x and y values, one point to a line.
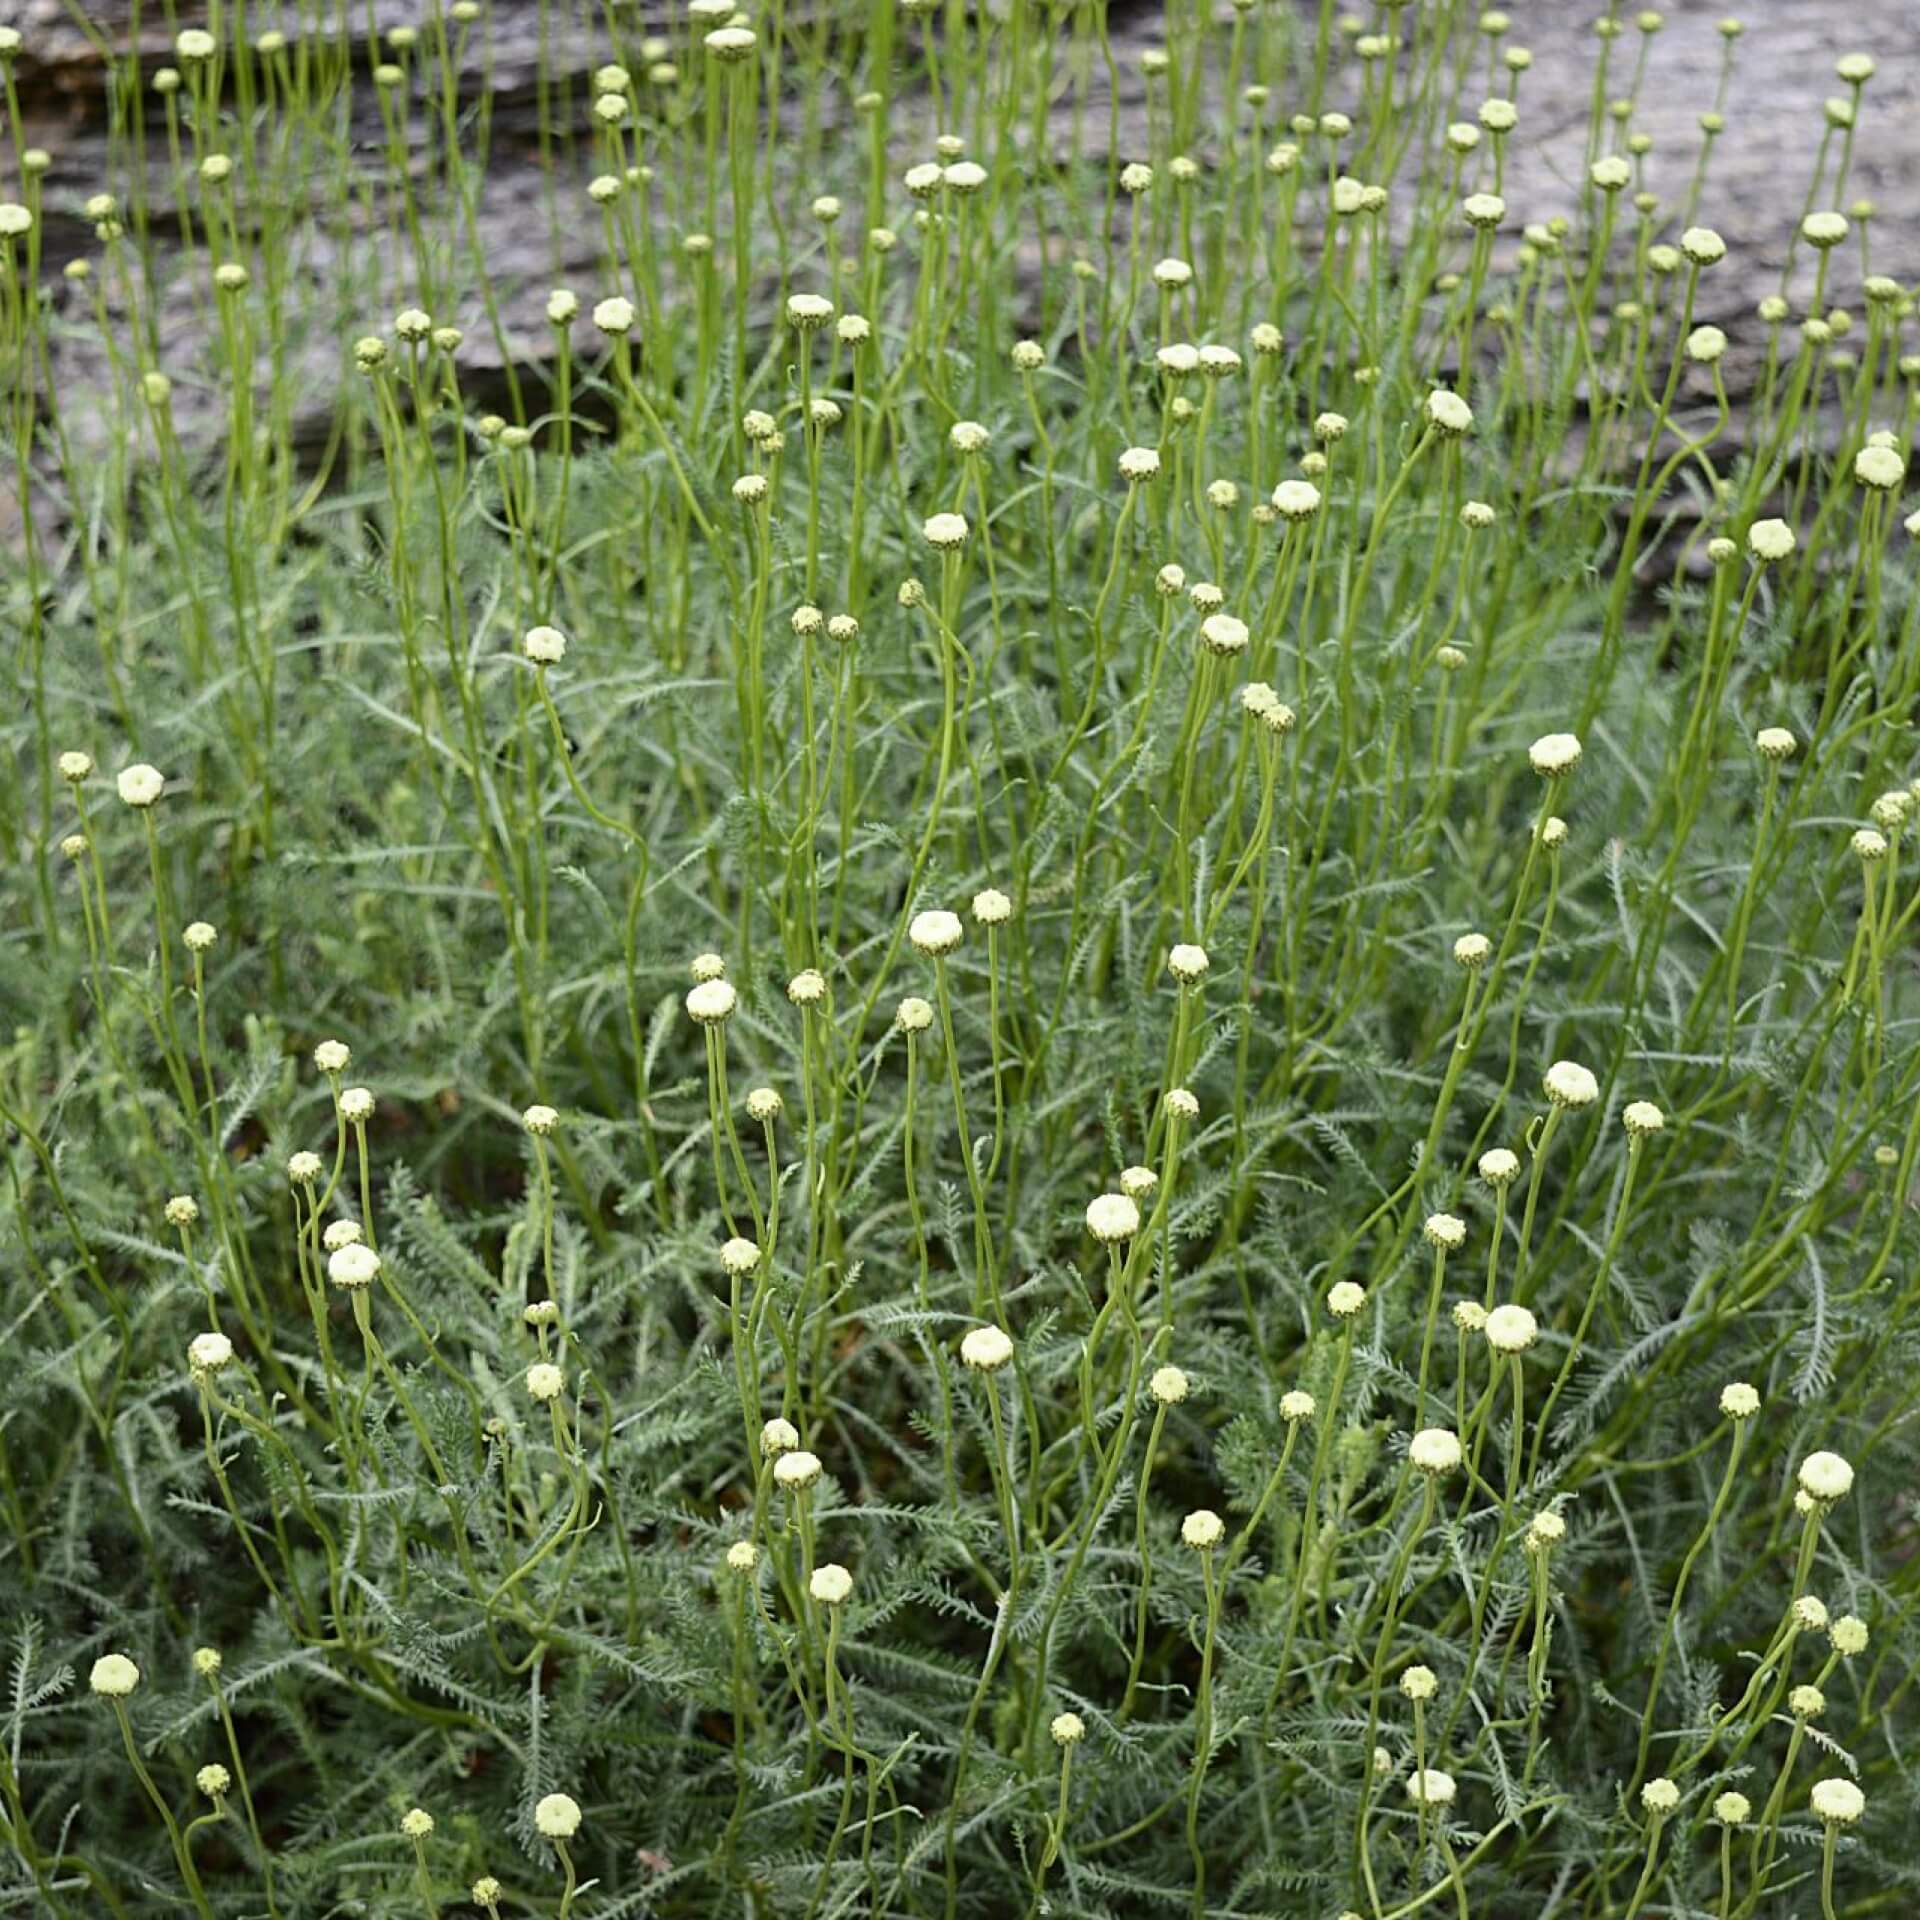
1037	1038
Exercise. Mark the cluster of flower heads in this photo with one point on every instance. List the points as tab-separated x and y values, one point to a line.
352	1264
1112	1219
115	1678
797	1471
934	932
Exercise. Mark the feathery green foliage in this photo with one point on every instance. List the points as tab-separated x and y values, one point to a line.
1266	1266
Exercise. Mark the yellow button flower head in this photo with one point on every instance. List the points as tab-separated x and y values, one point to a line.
1169	1386
798	1469
1838	1802
557	1816
1879	468
1545	1532
935	932
711	1002
1554	753
141	785
353	1266
1568	1084
831	1584
114	1676
1202	1529
1848	1635
208	1353
1511	1329
1112	1217
1188	963
1447	413
1223	634
1825	1477
986	1349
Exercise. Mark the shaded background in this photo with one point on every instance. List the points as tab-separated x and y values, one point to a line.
1755	193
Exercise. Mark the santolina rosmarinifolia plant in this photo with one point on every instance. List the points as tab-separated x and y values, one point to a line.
1028	1030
